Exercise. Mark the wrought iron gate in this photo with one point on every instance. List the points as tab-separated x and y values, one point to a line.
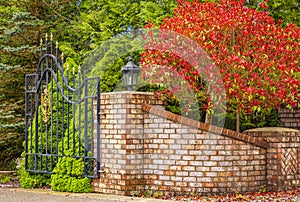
62	114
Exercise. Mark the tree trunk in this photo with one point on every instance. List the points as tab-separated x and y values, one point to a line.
208	118
238	124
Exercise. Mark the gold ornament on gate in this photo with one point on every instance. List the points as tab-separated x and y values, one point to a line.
46	106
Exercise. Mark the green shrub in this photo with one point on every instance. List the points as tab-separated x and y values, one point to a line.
68	176
33	180
5	178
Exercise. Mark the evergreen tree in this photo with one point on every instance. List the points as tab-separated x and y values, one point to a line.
17	49
22	24
120	23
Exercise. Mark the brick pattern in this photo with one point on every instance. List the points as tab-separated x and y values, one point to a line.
289	118
180	158
289	161
260	142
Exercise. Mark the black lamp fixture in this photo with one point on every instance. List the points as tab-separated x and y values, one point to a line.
130	73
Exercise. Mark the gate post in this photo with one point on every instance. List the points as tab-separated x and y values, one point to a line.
122	142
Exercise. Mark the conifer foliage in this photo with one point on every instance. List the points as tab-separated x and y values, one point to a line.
22	25
19	35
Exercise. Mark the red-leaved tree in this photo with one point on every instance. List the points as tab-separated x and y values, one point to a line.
258	59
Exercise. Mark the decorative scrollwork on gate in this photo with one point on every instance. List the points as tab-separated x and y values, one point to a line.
46	106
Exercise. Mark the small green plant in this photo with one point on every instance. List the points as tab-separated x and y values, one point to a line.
69	177
148	193
5	179
32	180
157	194
262	188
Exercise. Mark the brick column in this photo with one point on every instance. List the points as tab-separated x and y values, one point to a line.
122	142
283	157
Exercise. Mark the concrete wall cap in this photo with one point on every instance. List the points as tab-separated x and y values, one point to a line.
271	129
128	92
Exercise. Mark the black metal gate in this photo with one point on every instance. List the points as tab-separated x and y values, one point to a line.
62	114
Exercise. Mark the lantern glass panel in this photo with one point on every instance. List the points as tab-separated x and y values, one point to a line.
130	79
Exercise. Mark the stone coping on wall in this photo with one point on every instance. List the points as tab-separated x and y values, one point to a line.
256	141
276	134
128	92
272	129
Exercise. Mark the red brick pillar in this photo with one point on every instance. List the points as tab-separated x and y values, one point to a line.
121	142
283	157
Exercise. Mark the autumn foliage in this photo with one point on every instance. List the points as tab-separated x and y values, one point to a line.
258	59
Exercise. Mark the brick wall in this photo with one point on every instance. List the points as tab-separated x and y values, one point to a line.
289	118
145	147
180	158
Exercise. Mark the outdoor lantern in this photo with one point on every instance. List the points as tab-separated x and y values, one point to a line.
130	73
